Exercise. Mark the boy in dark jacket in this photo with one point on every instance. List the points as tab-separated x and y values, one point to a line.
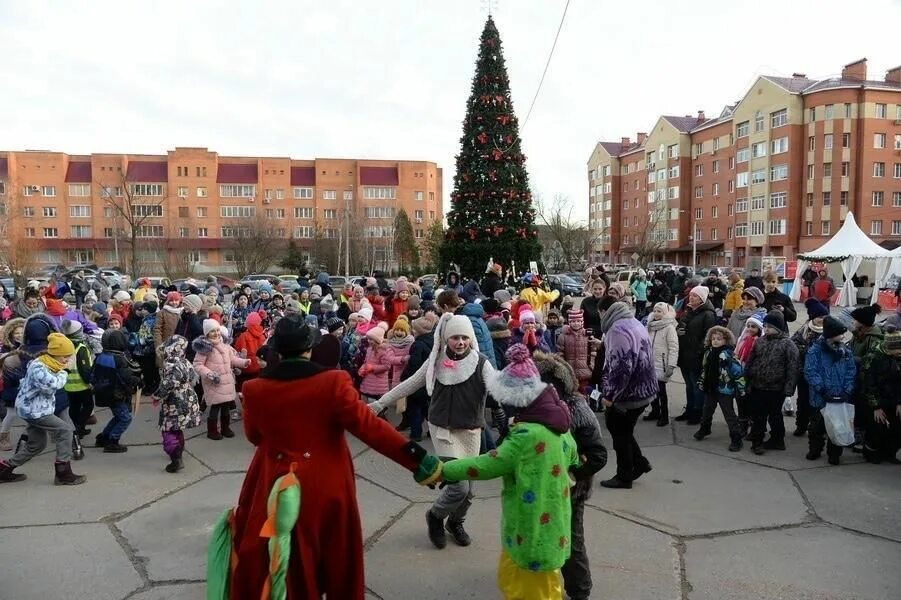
831	373
773	299
590	445
116	380
772	373
882	416
418	402
722	381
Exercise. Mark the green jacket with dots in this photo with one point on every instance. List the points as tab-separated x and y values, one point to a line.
534	462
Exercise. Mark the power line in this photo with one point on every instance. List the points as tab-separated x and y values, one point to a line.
546	66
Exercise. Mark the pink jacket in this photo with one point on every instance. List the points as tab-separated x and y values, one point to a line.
377	366
217	358
400	354
574	347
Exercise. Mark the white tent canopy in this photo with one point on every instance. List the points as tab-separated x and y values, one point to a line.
849	246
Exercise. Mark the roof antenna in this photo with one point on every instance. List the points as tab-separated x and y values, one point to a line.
490	6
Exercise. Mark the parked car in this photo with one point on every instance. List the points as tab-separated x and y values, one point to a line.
156	282
625	276
565	284
430	281
256	280
577	277
287	284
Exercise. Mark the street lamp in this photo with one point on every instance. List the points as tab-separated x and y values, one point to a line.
694	242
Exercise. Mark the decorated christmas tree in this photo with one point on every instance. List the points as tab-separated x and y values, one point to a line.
491	212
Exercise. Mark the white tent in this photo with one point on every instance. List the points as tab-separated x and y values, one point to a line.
850	246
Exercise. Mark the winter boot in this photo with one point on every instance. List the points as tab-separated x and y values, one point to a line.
663	420
655	411
77	450
694	418
92	420
616	483
224	422
114	447
735	444
7	475
686	414
176	464
100	441
65	476
455	528
774	444
5	444
436	530
404	423
23	439
703	432
641	469
212	430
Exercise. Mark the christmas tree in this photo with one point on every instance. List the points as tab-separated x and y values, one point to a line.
491	212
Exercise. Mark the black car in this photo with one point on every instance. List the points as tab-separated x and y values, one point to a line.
565	284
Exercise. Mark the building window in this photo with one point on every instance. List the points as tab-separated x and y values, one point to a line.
150	231
896	199
183	212
674	151
304	212
729	209
716	166
80	189
898	140
827	198
829	111
699	191
897	171
878	140
674	172
303	193
879	169
812	114
380	192
827	169
419	234
28	211
237	191
809	171
847	110
758	122
896	227
744	155
812	143
183	232
846	169
201	212
881	111
780	145
741	230
731	186
827	141
699	170
715	212
878	198
146	189
203	232
758	176
742	180
843	198
109	212
716	189
757	227
672	192
107	232
742	129
876	228
700	233
330	213
779	172
81	231
779	118
48	191
233	212
2	188
147	210
810	200
808	228
758	150
267	194
419	196
758	202
329	194
777	199
280	194
385	212
49	211
731	162
741	205
80	211
699	213
777	227
846	140
51	232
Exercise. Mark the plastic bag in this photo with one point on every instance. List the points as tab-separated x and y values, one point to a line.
839	420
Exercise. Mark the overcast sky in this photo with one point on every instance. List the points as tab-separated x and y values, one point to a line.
389	79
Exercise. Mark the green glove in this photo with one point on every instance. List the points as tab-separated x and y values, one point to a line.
429	471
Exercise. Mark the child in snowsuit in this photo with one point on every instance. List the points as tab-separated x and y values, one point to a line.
881	382
116	380
36	403
534	461
722	381
399	341
573	345
180	408
552	330
214	361
377	364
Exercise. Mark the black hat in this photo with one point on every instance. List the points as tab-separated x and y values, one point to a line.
293	336
866	315
776	319
832	327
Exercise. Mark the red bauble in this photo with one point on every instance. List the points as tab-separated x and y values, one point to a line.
497	154
492	175
482	137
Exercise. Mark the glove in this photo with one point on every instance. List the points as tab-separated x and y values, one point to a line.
669	372
375	407
429	471
364	370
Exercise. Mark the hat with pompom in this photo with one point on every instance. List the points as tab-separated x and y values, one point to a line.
815	308
866	315
210	325
519	384
377	333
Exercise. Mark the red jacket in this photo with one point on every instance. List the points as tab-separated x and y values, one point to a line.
298	413
251	340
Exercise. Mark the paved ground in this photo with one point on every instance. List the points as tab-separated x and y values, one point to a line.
705	524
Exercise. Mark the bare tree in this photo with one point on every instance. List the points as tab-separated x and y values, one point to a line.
137	213
569	238
18	246
649	237
255	243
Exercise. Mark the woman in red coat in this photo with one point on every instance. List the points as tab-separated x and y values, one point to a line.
298	412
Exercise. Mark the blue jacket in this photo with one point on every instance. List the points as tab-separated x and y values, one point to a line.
729	374
476	315
830	373
37	392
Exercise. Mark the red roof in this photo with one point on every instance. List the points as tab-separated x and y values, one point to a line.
148	171
4	167
236	173
78	172
303	176
378	176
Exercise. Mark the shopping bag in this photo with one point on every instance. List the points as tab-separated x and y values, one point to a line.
839	420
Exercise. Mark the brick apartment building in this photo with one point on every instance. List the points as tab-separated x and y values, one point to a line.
198	202
772	175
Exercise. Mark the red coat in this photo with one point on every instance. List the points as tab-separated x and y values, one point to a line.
251	341
395	308
305	423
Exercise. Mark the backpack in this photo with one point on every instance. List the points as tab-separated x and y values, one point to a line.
106	380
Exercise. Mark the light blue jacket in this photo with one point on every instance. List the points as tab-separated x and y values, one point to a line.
640	289
37	392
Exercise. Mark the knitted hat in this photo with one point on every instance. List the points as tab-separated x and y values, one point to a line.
702	292
327	304
776	319
832	327
253	318
115	317
210	325
617	290
99	307
70	327
293	337
527	315
192	302
498	328
334	324
265	288
575	315
372	283
292	306
866	315
402	324
151	306
519	384
90	297
173	297
554	313
428	295
377	333
366	313
122	296
414	303
458	325
151	297
756	321
755	293
815	308
503	296
892	339
59	345
424	324
401	286
316	292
